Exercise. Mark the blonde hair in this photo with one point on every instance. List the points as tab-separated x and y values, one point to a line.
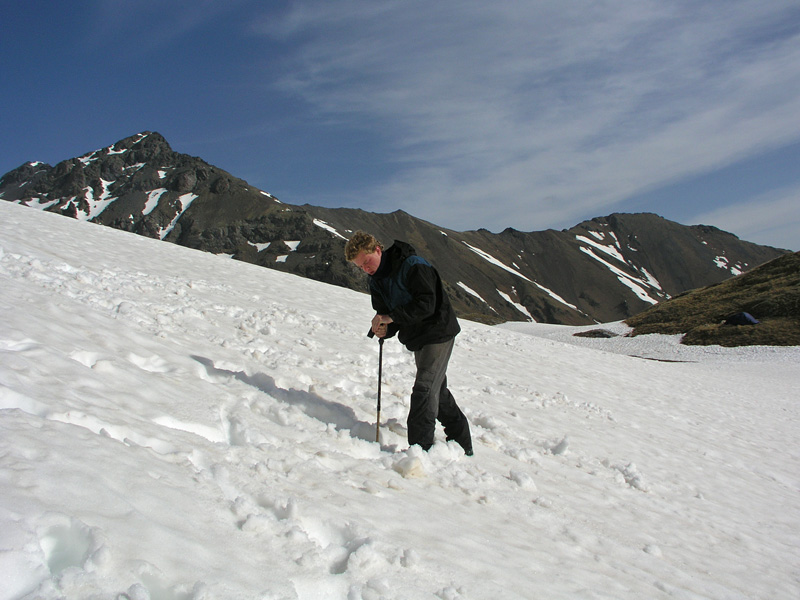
361	241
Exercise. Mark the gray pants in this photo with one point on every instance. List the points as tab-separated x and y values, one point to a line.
432	401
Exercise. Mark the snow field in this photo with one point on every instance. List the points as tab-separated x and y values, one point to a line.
181	426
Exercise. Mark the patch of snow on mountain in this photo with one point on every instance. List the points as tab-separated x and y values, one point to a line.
185	201
611	251
40	203
152	200
270	196
623	277
520	307
88	159
723	263
555	296
327	227
649	279
472	292
491	259
260	247
98	205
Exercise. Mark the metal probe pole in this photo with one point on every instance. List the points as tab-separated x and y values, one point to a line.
380	377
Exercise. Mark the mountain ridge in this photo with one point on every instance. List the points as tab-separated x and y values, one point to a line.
604	269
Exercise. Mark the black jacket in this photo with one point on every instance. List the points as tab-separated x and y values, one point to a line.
407	288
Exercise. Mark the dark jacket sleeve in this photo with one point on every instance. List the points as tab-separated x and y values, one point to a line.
381	309
377	301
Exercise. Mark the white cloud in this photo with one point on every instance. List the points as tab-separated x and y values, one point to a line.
772	218
535	114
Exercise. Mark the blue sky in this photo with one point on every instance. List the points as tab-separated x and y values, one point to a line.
527	114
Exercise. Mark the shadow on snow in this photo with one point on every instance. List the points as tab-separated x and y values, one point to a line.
340	416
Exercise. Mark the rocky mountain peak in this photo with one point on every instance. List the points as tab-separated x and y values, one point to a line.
605	269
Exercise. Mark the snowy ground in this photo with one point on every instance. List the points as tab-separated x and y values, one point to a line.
180	426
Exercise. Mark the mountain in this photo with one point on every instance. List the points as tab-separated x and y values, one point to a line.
770	293
602	270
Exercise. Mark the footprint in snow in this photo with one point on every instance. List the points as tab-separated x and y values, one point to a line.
67	542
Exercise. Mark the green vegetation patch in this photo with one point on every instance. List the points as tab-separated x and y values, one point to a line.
770	293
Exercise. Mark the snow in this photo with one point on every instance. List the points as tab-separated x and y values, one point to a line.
556	297
152	200
98	205
722	263
495	261
41	203
179	426
185	201
611	251
327	227
498	263
472	292
519	306
650	280
260	246
270	196
89	158
624	278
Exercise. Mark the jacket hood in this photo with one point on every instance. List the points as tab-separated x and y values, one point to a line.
393	257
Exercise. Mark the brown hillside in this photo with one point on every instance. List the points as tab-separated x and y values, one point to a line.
771	293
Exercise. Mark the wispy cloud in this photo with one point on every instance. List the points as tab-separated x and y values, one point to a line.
532	114
772	218
149	25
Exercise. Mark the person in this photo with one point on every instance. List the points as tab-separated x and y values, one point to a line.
410	301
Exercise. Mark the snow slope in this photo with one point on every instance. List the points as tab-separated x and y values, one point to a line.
181	426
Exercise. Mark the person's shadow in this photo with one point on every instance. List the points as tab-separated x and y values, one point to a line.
340	416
